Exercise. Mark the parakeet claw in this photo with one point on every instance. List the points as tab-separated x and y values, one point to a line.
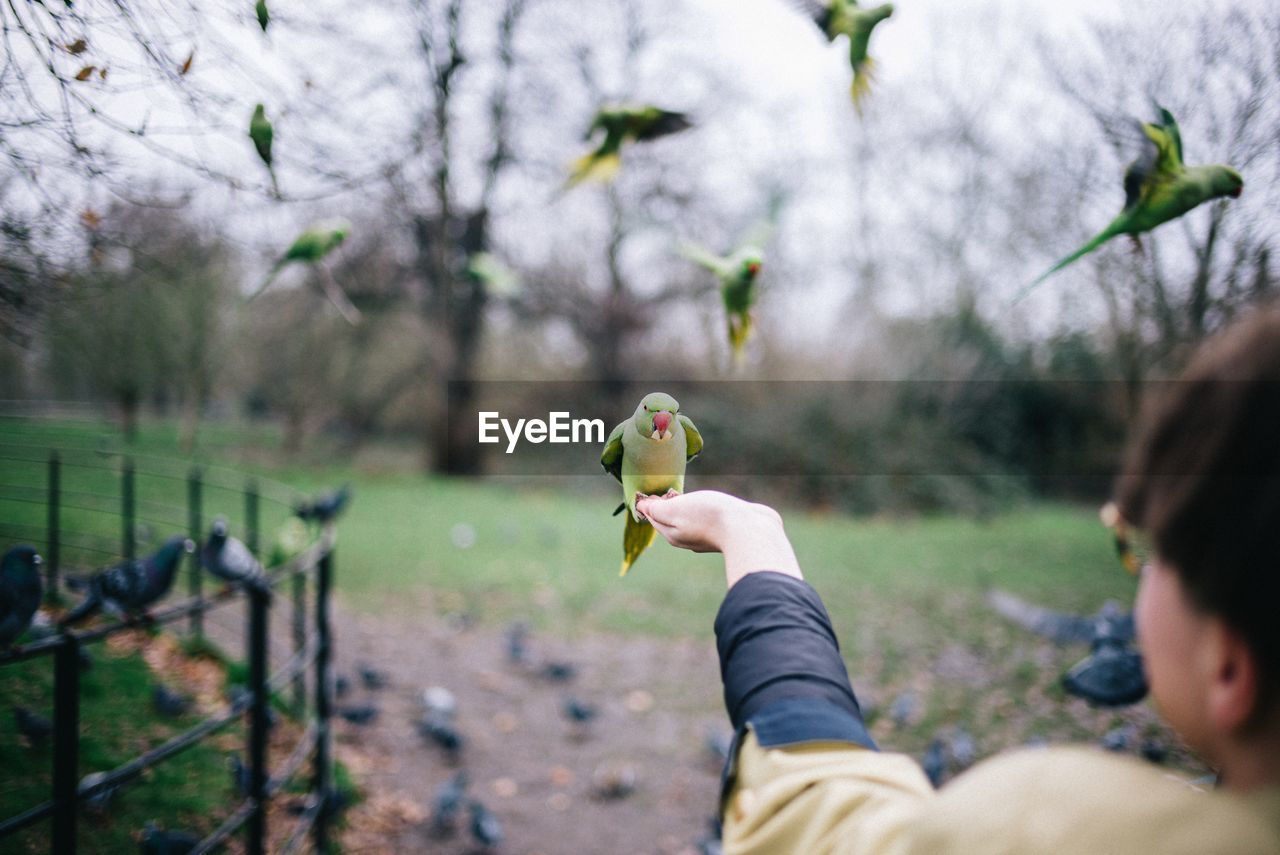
671	492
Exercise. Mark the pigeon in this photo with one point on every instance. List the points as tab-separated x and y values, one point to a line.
560	672
614	781
35	727
719	743
1154	751
230	560
934	762
372	678
1110	676
439	703
443	733
169	703
517	654
963	750
576	711
325	507
1063	628
360	716
239	774
100	801
158	841
485	827
1119	738
902	708
127	589
448	804
20	591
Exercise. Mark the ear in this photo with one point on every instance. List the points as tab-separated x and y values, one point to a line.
1233	685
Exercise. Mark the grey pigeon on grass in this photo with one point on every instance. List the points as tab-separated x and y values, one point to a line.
325	507
35	727
129	588
159	841
20	590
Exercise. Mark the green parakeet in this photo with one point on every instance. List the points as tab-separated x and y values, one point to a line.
309	248
262	133
737	274
1158	187
647	453
290	540
847	18
264	17
622	124
498	279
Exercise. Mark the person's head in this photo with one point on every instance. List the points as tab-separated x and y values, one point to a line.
1202	477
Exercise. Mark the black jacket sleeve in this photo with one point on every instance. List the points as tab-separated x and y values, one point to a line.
781	665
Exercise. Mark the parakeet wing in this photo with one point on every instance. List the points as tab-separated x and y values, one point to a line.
717	265
692	439
611	457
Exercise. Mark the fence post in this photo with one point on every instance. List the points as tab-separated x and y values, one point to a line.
258	723
126	508
66	743
194	525
53	533
299	582
251	515
322	783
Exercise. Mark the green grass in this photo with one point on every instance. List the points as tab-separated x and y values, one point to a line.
906	595
190	791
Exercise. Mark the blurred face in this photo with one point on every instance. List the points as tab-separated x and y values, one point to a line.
1171	633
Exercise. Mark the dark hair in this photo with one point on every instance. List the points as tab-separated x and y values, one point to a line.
1202	476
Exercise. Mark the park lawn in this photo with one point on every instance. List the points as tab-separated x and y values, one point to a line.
190	791
542	549
907	596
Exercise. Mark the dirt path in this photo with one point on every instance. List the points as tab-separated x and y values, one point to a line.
657	701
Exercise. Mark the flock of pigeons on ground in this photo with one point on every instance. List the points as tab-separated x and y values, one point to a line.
128	590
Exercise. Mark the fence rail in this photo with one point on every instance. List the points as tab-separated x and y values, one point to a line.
311	651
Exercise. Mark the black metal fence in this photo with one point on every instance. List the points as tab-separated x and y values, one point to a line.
311	643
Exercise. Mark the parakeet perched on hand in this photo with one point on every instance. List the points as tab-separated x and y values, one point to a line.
262	133
1158	187
647	453
623	124
20	590
264	16
737	274
846	17
309	248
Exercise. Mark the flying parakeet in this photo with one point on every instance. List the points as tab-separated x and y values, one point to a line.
737	274
1158	187
846	17
262	133
308	248
623	124
647	453
264	17
498	279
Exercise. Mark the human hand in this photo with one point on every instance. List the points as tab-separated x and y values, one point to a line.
750	535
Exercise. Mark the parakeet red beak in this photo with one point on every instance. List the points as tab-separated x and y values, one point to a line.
1235	194
661	424
753	268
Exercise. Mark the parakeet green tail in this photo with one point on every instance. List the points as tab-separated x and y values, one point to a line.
863	75
1115	228
739	332
636	538
595	167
